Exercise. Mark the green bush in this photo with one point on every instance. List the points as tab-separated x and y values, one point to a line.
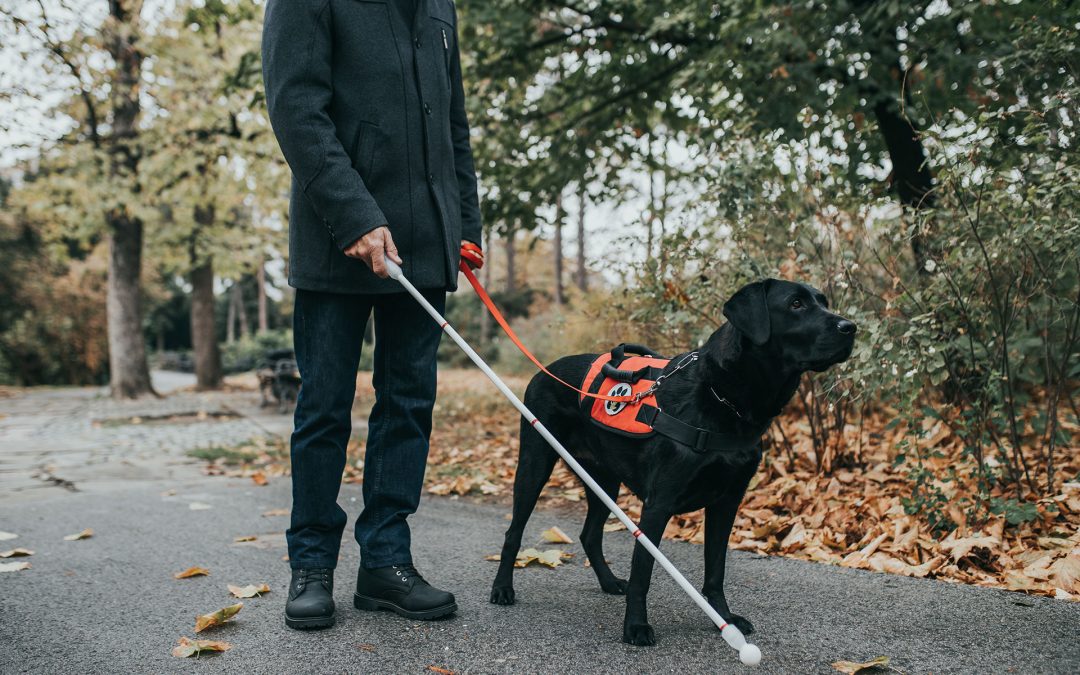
247	353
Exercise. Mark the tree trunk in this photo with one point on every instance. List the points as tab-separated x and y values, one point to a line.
260	282
203	331
651	216
911	177
230	318
489	255
560	293
129	373
511	263
241	310
581	277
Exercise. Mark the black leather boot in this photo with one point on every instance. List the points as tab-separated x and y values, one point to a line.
403	591
311	599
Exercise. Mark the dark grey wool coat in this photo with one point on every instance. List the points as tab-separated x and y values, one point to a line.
369	111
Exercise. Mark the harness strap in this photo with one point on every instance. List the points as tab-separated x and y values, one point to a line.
699	440
490	304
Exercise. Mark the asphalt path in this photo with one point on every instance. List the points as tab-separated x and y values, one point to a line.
110	604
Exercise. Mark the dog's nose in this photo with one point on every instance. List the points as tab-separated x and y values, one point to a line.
846	327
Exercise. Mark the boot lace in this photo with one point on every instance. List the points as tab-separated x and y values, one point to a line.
406	572
308	576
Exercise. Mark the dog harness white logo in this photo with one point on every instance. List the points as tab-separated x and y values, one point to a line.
615	407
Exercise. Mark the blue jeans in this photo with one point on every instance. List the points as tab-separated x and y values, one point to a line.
328	333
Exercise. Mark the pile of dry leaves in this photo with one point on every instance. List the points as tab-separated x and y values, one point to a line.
853	517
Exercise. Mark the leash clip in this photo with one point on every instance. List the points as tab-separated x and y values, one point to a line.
686	361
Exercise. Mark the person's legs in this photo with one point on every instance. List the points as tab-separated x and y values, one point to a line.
328	330
406	342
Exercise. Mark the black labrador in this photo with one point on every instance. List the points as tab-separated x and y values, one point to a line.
746	373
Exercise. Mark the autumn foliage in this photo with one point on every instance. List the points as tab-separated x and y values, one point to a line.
853	511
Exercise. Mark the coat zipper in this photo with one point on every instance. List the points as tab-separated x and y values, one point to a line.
446	54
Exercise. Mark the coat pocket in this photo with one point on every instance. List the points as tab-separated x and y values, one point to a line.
363	150
443	23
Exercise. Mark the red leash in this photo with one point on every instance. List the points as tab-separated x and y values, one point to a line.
490	304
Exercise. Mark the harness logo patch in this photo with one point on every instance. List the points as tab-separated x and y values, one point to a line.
615	407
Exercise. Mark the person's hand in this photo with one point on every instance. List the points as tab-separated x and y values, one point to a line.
373	248
472	254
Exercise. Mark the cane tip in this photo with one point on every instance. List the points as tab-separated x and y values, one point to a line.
750	655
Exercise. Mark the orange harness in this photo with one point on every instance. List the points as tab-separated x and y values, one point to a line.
618	377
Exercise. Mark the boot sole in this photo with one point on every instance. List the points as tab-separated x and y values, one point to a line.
369	604
310	623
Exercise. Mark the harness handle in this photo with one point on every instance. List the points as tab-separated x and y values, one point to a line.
618	355
490	304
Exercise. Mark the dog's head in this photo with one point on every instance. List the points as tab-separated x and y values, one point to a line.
791	322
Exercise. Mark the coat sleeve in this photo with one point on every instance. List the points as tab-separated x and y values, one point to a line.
463	158
296	53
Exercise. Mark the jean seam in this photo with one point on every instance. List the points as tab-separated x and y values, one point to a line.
387	394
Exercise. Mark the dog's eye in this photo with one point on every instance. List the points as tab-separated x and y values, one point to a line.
796	304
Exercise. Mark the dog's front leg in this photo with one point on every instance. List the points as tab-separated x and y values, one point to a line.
636	628
719	518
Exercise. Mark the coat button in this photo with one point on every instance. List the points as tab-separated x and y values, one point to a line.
417	43
427	108
431	178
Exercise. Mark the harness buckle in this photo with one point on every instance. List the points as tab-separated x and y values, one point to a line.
702	441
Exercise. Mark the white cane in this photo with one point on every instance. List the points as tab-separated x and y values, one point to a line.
748	653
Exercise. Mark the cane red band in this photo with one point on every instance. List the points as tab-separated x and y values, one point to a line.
637	533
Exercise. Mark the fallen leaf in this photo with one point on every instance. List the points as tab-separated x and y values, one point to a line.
192	572
551	557
556	536
4	536
614	527
494	558
199	506
85	534
795	538
1066	573
217	618
243	538
188	647
14	566
249	591
441	671
365	647
851	667
16	553
276	512
958	548
169	493
259	478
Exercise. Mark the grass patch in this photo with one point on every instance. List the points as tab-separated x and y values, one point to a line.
234	456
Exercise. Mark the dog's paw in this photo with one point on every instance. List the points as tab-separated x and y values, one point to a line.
740	622
640	635
615	586
502	595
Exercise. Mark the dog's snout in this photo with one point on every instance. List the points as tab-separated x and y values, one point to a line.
846	327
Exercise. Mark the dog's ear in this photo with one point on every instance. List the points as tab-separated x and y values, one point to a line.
749	313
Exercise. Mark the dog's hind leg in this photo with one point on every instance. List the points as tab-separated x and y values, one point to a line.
592	534
536	460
